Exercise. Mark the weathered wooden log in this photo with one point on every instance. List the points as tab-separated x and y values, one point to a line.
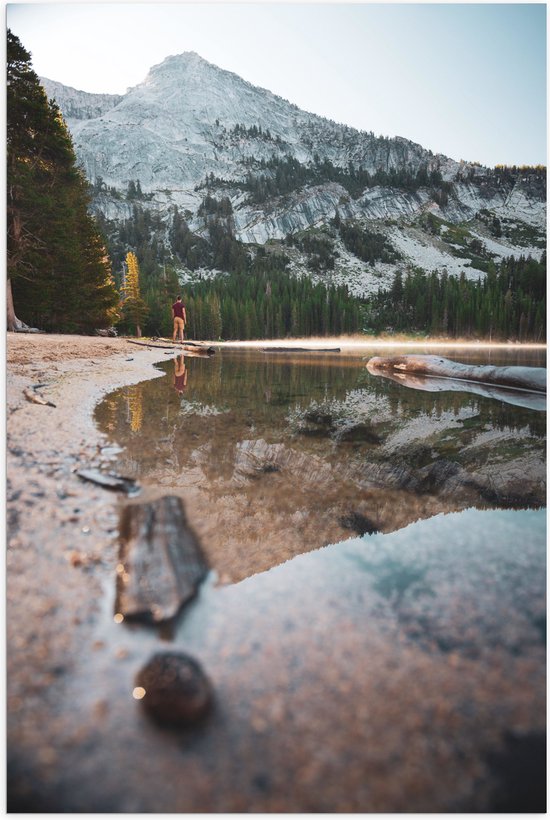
36	399
111	481
185	346
186	342
300	350
521	378
161	563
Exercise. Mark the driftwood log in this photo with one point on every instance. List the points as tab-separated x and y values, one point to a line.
186	346
36	399
519	378
161	563
300	350
111	481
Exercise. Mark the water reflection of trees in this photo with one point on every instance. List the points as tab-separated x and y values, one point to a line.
256	394
260	449
268	382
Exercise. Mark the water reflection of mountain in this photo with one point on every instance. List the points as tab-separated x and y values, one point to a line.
287	457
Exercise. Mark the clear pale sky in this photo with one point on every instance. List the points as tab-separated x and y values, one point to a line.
466	80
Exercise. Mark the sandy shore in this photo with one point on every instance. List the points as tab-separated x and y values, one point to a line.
375	719
59	527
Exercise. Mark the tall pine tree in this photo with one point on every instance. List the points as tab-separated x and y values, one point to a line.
59	274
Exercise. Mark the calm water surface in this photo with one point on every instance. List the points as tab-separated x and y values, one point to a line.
278	454
385	672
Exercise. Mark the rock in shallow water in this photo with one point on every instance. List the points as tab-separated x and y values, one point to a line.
173	689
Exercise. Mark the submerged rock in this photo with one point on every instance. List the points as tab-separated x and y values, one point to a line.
358	432
173	689
359	523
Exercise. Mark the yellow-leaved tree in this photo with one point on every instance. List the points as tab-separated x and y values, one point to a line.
134	308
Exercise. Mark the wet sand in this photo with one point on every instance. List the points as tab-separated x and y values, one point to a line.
331	693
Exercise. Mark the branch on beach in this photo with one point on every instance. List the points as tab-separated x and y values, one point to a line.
36	399
110	481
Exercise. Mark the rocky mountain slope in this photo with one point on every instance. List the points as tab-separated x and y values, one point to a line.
192	136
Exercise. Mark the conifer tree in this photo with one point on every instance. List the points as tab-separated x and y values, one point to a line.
58	271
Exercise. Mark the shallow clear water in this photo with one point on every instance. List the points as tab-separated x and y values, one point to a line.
383	672
278	454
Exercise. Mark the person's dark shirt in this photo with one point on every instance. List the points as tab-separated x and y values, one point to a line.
178	307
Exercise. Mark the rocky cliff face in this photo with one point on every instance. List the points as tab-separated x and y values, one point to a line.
191	128
79	105
178	125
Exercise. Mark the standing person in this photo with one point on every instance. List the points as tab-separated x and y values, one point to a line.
180	318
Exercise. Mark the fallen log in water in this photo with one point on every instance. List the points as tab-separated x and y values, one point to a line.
191	347
160	561
300	350
519	378
171	341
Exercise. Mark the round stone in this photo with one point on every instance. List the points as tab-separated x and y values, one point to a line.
176	690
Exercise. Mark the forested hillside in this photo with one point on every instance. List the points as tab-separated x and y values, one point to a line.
259	295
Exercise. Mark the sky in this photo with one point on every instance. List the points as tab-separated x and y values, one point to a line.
465	80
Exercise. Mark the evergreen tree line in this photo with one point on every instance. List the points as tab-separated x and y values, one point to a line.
368	245
270	305
279	176
210	206
507	304
59	273
256	132
319	247
511	172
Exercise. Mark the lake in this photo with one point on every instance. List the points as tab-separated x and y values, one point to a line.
277	454
374	624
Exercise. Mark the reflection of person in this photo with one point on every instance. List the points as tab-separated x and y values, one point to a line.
180	318
180	374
